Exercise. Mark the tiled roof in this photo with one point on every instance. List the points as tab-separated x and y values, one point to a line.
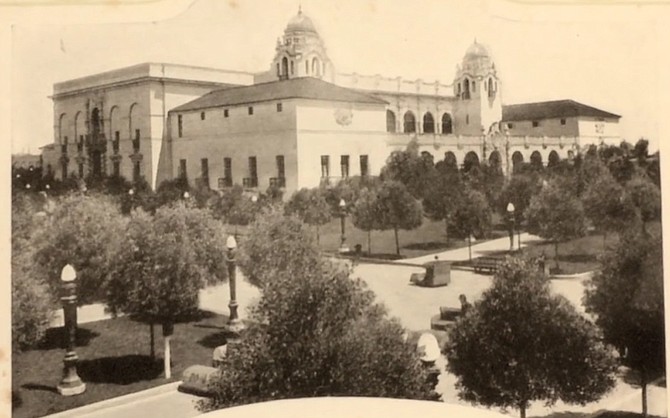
551	110
302	88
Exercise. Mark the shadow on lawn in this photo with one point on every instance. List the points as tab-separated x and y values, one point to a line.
55	338
214	340
122	370
427	246
566	414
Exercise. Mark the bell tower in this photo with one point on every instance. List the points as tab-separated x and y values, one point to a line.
478	90
300	52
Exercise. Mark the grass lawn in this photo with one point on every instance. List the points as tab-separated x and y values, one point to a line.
113	361
427	239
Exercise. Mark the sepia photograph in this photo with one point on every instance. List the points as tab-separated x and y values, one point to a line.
346	208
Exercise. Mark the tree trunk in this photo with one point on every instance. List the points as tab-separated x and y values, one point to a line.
643	379
522	411
446	230
168	330
318	240
369	242
397	243
470	247
556	255
152	341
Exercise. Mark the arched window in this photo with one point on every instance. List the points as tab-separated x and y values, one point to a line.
428	123
409	122
553	159
494	159
536	159
471	160
284	67
61	121
447	127
316	68
390	121
517	161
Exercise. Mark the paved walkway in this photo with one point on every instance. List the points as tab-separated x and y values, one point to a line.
413	306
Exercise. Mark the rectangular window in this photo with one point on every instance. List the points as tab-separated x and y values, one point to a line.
510	125
562	121
136	142
225	113
279	107
117	169
253	173
182	169
365	169
250	110
179	126
325	166
344	165
64	146
115	144
204	168
228	169
281	173
536	124
136	171
202	115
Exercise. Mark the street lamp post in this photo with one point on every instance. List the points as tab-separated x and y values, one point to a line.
510	220
234	324
71	384
343	214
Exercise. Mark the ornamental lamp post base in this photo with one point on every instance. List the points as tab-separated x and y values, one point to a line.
234	325
71	383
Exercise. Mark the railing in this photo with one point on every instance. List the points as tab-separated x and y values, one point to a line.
279	182
250	182
225	182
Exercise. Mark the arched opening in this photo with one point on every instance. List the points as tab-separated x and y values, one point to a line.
494	159
471	160
553	159
409	122
316	68
450	159
390	121
536	159
517	161
95	123
61	121
466	89
428	123
284	68
447	127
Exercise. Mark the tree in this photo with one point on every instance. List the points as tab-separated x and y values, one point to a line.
504	351
646	197
161	265
317	332
626	297
170	191
311	207
443	197
472	217
275	243
410	168
32	301
396	209
364	213
518	191
79	232
556	214
607	206
235	207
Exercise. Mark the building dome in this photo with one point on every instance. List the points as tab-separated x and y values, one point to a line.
300	23
477	60
477	51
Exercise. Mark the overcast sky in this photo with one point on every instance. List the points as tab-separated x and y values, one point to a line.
602	56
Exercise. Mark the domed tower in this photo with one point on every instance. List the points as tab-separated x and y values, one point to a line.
477	88
301	52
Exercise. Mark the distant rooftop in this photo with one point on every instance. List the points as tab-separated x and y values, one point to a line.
151	70
296	88
551	110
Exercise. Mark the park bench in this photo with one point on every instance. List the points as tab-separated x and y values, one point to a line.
487	264
446	318
438	273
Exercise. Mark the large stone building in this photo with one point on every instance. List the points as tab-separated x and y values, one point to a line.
300	123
